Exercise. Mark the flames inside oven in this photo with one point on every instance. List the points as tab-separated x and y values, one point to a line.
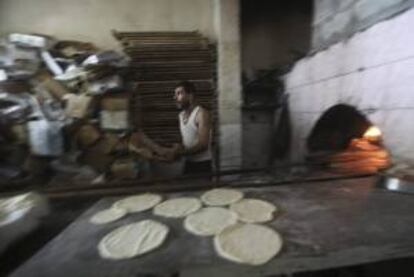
345	141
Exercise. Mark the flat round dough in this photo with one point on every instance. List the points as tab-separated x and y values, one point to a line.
221	197
108	215
138	203
132	240
178	207
209	221
253	210
248	243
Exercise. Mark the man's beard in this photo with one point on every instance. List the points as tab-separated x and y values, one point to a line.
183	105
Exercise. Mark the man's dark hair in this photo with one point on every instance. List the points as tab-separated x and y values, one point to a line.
188	87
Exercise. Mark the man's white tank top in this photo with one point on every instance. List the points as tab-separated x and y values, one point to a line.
189	134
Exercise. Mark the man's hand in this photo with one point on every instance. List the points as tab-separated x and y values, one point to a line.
160	151
143	152
171	154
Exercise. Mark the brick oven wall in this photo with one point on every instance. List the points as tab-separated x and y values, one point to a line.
373	71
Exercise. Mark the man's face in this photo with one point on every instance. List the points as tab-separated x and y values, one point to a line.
182	98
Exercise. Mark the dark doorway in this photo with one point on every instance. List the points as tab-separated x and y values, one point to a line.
274	34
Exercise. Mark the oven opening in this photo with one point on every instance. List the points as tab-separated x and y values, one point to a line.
344	141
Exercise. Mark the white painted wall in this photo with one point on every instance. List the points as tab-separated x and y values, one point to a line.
93	20
373	71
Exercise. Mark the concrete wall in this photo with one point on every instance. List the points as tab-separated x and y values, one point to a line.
92	20
274	33
335	20
227	23
372	71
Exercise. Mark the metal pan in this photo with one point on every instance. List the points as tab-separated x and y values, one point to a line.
396	184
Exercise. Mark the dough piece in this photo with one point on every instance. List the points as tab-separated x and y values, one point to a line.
31	201
132	240
108	215
253	210
209	221
138	203
221	197
4	218
248	243
178	207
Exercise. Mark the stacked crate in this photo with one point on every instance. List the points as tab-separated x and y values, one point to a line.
160	60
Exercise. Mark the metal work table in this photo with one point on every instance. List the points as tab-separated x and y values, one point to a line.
324	225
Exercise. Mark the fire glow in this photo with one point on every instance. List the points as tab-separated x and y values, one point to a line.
373	133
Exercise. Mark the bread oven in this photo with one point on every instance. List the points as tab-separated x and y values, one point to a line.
337	93
346	142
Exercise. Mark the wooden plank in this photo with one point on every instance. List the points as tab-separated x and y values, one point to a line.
189	47
159	60
155	34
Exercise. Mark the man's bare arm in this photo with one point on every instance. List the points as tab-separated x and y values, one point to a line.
141	139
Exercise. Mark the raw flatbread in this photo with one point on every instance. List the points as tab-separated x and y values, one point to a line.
253	210
108	215
178	207
132	240
248	243
209	221
138	203
30	201
221	197
4	217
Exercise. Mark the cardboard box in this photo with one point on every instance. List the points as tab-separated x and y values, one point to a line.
19	132
114	113
36	165
108	143
77	106
119	103
114	120
3	75
55	88
125	168
28	40
45	137
96	158
99	155
111	83
87	135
